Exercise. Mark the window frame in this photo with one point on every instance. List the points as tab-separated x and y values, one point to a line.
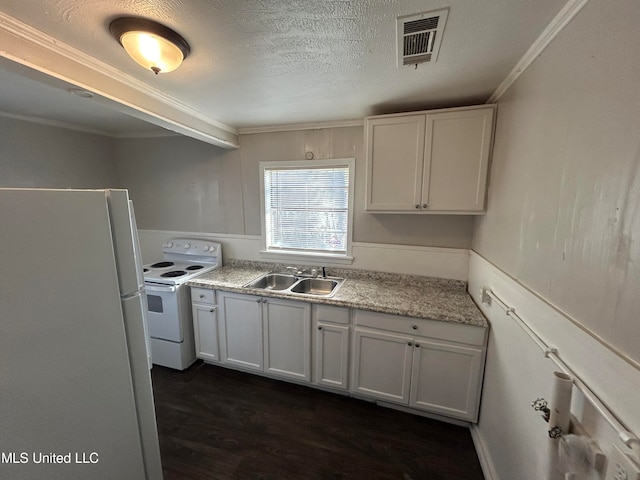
311	256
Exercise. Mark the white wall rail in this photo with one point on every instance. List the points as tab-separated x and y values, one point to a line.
626	436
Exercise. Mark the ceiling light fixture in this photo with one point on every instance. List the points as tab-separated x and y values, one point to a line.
150	44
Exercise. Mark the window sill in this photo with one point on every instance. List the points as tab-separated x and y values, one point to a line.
288	256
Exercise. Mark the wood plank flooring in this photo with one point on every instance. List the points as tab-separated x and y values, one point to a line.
216	423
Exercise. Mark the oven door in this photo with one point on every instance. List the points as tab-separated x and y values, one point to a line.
164	312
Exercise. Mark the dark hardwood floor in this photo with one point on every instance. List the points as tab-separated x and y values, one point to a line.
216	423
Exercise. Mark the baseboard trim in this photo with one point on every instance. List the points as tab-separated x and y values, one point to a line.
488	470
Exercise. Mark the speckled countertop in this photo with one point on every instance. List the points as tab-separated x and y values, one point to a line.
411	296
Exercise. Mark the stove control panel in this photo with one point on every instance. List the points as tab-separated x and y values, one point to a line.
192	247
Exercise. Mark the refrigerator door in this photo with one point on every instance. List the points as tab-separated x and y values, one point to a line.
135	309
137	253
66	383
125	239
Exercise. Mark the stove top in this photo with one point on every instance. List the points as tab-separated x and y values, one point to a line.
183	260
174	272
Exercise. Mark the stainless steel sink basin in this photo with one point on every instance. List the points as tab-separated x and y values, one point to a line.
273	281
315	286
295	285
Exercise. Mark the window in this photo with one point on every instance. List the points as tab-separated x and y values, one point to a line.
307	207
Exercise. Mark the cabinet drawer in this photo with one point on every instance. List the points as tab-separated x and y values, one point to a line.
454	332
203	295
328	313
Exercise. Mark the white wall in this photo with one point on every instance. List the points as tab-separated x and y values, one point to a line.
452	263
564	202
560	242
37	155
180	184
510	436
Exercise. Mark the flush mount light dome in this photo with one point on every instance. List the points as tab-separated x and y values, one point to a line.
150	44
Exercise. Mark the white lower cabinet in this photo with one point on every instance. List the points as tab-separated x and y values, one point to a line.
205	329
287	338
266	334
205	324
442	374
382	365
331	346
446	378
241	330
423	364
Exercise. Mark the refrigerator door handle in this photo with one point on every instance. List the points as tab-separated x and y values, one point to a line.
154	288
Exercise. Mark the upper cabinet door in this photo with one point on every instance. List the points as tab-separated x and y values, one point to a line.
429	162
458	145
395	154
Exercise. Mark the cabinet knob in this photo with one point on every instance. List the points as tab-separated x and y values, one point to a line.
201	295
418	206
415	327
410	344
425	205
319	328
264	300
417	345
211	310
259	300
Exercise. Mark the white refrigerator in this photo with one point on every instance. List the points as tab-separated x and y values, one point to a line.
76	400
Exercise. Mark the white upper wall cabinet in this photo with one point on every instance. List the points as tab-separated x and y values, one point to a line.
429	162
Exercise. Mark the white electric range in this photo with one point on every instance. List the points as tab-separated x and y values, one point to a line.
168	298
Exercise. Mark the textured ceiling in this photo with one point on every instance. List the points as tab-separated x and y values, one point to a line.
259	62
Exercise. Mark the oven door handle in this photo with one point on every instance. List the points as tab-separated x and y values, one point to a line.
150	288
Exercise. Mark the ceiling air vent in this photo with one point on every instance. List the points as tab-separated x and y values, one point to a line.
419	36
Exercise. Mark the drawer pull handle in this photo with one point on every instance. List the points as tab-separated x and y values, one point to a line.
201	295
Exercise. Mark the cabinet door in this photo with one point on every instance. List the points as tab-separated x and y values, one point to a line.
332	355
446	379
395	151
287	338
382	365
241	330
458	145
205	329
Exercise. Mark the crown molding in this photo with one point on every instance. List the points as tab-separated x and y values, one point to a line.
44	53
300	126
561	20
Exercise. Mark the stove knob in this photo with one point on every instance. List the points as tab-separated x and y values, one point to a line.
169	244
206	248
187	246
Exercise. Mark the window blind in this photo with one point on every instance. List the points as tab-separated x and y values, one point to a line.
306	209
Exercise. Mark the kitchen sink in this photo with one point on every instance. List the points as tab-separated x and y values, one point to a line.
315	286
273	281
295	285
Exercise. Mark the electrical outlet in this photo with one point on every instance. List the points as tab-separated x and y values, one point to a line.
621	466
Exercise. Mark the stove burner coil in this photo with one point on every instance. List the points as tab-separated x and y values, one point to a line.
174	273
191	268
162	265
